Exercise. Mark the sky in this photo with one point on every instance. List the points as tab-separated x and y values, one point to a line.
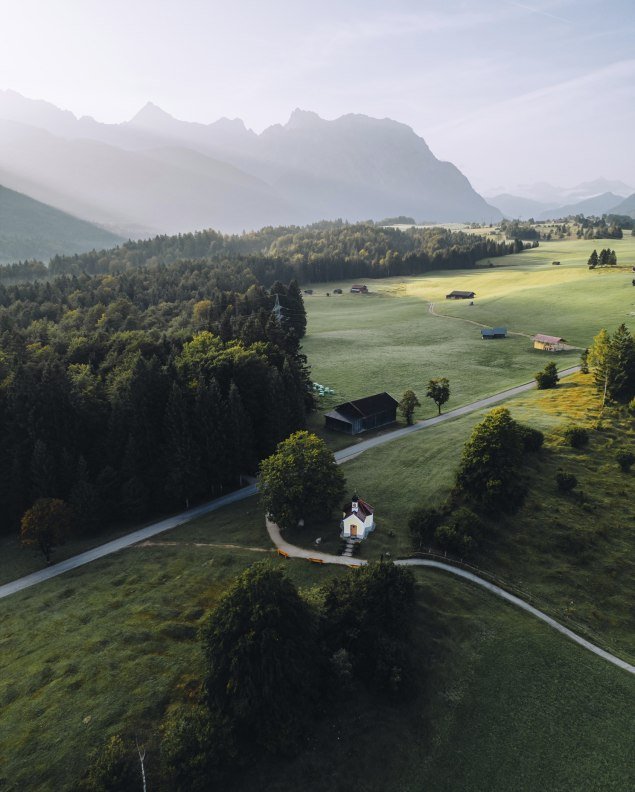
510	92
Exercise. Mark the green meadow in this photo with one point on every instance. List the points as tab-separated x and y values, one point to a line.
388	340
503	703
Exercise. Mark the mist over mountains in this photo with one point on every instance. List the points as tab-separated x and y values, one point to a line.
156	174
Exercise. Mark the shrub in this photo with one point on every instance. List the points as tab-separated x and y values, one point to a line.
113	767
422	524
460	533
532	438
625	460
576	436
548	378
566	481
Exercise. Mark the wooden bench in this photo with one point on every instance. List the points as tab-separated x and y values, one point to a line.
282	553
315	560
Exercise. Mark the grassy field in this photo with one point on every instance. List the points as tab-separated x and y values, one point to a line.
573	556
503	703
388	340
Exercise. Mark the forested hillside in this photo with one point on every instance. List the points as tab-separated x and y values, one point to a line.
32	230
132	393
320	252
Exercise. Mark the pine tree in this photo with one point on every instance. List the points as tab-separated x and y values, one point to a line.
181	450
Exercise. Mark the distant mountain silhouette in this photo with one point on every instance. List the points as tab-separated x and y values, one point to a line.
598	205
32	230
625	207
155	173
515	207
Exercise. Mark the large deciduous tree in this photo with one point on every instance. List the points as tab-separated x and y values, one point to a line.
46	524
300	480
490	465
260	671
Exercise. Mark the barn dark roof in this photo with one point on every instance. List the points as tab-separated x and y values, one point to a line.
363	408
494	331
465	294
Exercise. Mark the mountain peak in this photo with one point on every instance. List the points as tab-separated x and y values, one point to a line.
149	115
302	118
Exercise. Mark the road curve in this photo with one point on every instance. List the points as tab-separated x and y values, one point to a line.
298	552
344	455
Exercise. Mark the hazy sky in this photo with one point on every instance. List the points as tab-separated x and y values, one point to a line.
511	92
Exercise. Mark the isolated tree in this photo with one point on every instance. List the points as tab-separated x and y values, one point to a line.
548	378
491	463
439	391
593	260
584	361
260	661
408	405
46	524
301	480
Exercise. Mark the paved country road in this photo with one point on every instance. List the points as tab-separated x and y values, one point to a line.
299	552
246	492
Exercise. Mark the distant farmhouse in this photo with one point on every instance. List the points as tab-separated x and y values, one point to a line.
357	520
495	332
358	416
548	343
359	288
460	295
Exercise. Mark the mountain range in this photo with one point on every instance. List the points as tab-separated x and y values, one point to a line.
157	174
543	201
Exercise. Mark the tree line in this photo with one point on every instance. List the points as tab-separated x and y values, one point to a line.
127	394
320	252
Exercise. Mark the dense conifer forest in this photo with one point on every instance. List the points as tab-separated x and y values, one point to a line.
131	393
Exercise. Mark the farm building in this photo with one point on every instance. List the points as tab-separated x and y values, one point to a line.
548	343
358	416
359	288
357	520
460	295
495	332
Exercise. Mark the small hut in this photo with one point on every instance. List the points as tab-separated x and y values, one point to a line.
359	288
460	295
548	343
495	332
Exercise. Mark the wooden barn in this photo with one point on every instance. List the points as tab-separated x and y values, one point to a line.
358	416
359	288
460	295
494	332
548	343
